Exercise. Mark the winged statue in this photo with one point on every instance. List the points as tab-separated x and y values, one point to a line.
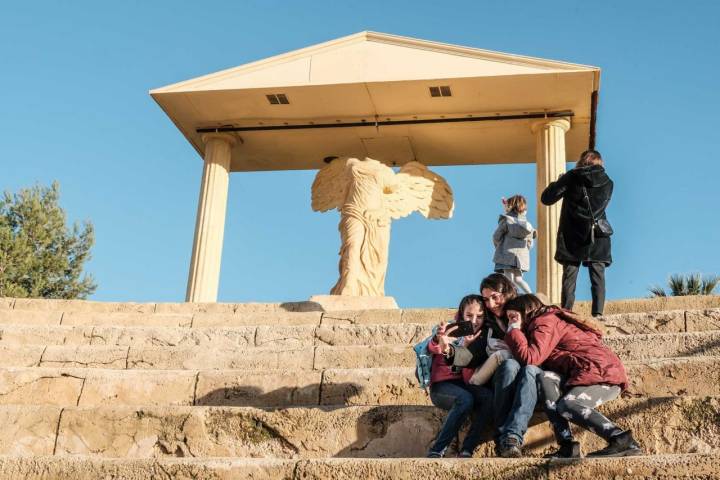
369	195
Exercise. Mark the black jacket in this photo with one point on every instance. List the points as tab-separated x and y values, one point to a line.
573	240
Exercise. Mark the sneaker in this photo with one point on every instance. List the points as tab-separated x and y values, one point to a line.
465	454
432	454
568	449
620	445
509	448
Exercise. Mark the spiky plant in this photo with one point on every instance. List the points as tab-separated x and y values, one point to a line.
694	284
678	285
689	284
709	283
657	291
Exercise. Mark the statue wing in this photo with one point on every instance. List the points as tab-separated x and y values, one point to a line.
330	186
418	189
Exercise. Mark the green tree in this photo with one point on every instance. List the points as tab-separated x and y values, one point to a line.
691	284
39	255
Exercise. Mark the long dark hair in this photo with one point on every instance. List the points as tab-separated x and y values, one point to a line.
530	307
467	300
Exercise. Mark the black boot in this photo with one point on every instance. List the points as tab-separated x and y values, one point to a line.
568	449
509	447
620	445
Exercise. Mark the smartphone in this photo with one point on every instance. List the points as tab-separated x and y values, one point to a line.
461	329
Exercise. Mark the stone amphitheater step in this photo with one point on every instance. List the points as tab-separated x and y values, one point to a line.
693	302
660	467
662	425
123	332
363	321
273	388
288	355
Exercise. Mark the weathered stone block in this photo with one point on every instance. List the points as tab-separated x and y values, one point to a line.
265	388
400	333
700	343
658	467
191	308
128	387
256	318
199	358
361	317
702	320
126	319
82	306
639	347
44	335
372	386
364	356
425	316
672	321
40	386
174	336
84	357
675	377
30	317
28	430
20	355
88	468
415	468
282	335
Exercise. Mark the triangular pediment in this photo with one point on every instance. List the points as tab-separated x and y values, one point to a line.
369	57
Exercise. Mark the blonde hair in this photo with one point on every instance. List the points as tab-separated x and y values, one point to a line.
589	158
516	203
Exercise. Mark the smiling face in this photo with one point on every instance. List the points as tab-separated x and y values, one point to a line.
473	312
494	301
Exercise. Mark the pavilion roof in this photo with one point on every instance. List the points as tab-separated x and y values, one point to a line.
388	97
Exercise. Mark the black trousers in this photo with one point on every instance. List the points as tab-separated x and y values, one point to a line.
597	285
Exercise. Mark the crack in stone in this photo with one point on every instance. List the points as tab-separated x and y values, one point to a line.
57	431
320	387
43	377
41	357
197	380
82	389
89	364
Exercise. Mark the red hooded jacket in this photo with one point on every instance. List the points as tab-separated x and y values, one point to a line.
562	347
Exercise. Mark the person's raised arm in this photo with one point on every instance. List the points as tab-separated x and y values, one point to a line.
537	346
556	190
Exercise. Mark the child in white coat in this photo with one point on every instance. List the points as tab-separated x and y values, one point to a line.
513	239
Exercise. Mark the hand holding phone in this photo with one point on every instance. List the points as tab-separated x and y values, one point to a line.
460	329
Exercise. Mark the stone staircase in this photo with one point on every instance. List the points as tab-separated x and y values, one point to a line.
269	391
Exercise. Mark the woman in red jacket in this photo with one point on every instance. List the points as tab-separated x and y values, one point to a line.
581	373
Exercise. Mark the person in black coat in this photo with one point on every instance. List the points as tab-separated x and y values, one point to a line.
578	242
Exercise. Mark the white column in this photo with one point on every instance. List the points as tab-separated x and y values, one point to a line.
204	275
550	158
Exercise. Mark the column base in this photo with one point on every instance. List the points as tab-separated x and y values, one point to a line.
333	303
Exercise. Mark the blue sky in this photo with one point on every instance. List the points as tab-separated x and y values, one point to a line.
74	83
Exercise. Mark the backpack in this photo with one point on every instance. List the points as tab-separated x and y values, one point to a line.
423	361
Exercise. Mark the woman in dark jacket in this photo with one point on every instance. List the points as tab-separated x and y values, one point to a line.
577	241
580	372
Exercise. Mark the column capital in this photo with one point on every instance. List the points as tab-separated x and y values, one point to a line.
230	138
561	122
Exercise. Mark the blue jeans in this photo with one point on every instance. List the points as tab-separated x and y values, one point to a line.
515	396
460	400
